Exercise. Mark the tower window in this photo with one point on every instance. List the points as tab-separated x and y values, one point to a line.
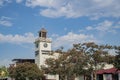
36	53
43	33
45	52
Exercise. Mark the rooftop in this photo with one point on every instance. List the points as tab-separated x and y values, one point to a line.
24	60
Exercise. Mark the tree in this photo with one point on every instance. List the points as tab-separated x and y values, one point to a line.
117	58
11	71
83	58
22	71
77	60
3	72
56	66
99	56
69	64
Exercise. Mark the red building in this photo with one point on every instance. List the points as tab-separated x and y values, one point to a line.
108	74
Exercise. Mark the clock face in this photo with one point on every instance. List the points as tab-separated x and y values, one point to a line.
45	45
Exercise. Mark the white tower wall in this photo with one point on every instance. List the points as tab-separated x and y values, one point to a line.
42	51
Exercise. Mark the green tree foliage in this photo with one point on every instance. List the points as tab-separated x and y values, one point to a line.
117	58
3	72
56	66
23	71
11	71
99	56
81	59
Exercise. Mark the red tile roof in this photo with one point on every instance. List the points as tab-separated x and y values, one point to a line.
108	71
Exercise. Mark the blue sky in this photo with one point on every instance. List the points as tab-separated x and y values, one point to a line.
67	22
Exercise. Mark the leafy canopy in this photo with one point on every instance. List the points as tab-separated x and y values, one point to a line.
83	58
25	70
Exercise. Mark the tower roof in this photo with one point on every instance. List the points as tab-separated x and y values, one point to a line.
43	33
43	30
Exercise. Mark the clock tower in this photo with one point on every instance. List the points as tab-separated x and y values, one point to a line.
42	48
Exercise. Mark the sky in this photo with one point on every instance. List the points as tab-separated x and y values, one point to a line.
67	22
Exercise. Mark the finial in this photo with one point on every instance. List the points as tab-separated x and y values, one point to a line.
43	33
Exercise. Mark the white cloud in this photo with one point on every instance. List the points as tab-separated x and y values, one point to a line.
77	8
105	26
5	21
57	41
17	39
89	28
119	22
71	38
3	2
44	3
54	35
19	1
